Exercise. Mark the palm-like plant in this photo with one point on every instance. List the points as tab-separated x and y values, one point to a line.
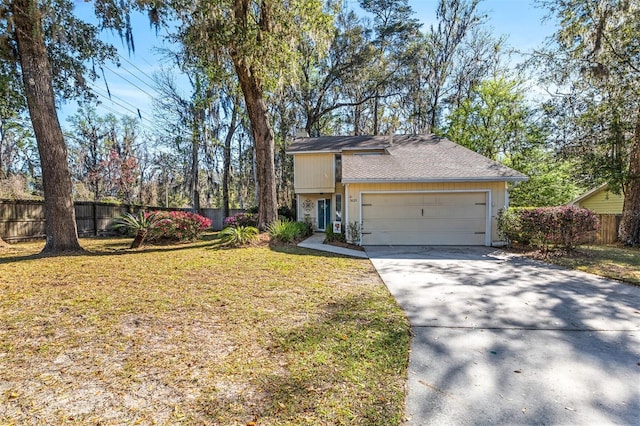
141	224
238	236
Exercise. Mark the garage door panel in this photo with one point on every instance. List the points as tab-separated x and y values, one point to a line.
416	238
425	224
424	218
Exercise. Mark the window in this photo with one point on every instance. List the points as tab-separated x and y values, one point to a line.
338	207
338	167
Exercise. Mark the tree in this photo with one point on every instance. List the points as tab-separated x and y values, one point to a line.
595	67
89	135
494	121
393	24
60	226
259	38
36	35
456	19
551	181
340	79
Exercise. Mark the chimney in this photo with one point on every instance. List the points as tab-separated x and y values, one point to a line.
301	133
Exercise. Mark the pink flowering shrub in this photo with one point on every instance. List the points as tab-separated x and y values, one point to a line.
241	219
179	226
564	226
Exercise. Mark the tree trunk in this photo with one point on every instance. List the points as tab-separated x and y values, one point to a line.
226	162
263	140
60	225
376	125
137	242
629	232
198	120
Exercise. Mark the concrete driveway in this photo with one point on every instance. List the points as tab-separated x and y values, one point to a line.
500	339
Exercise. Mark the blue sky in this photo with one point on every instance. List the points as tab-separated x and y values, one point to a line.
131	84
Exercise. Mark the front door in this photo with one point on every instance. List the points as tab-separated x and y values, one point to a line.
324	214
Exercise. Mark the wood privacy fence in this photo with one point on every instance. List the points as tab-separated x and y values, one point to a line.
608	232
24	219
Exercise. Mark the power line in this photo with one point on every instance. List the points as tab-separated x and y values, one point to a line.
131	83
136	111
123	115
140	71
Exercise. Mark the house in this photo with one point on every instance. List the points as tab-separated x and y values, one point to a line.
400	190
600	200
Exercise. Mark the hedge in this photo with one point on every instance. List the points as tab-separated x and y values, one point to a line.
544	227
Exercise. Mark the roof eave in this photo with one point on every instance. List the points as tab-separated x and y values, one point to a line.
336	150
324	151
436	180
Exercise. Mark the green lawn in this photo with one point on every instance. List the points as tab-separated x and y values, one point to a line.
620	263
194	335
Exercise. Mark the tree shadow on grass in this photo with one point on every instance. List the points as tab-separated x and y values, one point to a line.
352	359
119	249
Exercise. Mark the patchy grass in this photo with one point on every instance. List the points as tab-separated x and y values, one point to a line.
192	335
617	262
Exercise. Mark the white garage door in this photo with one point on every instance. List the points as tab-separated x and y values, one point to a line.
447	218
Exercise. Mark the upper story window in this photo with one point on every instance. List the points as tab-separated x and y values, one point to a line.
338	167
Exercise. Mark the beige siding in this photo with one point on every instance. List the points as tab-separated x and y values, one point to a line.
497	191
603	202
314	173
311	200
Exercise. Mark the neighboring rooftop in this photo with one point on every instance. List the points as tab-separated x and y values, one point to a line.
414	158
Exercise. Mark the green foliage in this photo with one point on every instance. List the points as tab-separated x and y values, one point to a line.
287	212
287	231
238	235
493	120
510	226
140	224
594	59
551	180
263	38
142	221
331	236
544	227
353	233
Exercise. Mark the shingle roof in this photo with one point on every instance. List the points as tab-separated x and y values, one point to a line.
337	143
413	158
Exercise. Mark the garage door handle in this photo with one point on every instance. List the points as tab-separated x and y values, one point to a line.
422	212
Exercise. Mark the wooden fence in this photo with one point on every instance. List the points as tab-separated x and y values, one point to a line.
608	232
24	219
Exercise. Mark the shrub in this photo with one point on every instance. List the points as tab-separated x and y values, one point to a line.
241	219
564	226
180	226
287	231
141	224
238	235
287	213
354	233
510	226
330	236
305	228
